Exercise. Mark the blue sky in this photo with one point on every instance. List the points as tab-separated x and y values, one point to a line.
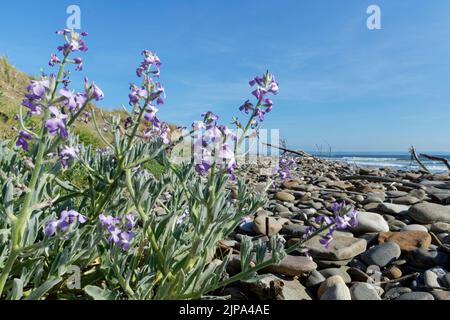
340	83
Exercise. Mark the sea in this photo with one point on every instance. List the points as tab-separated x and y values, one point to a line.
394	160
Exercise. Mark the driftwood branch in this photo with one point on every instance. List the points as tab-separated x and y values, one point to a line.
299	153
416	157
434	158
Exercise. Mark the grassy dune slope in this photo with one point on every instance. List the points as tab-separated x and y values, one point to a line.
13	85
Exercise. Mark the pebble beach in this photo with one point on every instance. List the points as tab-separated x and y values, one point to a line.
400	249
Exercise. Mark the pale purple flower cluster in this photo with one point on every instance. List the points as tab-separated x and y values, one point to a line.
344	217
149	68
119	229
42	95
151	91
284	168
156	127
93	91
211	145
73	100
74	41
67	155
264	85
57	124
150	59
36	97
67	219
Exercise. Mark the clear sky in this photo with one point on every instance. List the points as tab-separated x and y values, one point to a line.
340	83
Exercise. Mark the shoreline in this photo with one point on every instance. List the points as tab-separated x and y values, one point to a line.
403	232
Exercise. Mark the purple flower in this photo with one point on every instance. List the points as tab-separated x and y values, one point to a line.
77	44
119	229
114	233
79	63
353	214
309	231
203	167
92	91
137	94
54	60
67	218
151	115
273	86
268	105
231	166
157	94
81	99
125	239
32	106
130	221
259	93
326	240
108	221
213	134
322	219
257	80
345	216
38	88
22	140
246	107
264	85
57	124
67	155
260	113
97	93
284	170
163	133
70	96
284	174
337	206
139	71
342	222
151	58
50	228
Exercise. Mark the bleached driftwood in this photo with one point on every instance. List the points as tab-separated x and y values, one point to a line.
434	158
416	157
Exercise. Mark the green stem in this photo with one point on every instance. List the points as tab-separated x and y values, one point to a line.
19	226
144	218
7	269
138	123
249	123
123	283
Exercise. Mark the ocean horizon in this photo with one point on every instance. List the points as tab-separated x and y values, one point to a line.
388	159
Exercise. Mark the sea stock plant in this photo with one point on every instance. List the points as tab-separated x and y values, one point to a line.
131	234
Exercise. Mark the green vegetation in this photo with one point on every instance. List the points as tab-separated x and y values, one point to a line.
13	85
